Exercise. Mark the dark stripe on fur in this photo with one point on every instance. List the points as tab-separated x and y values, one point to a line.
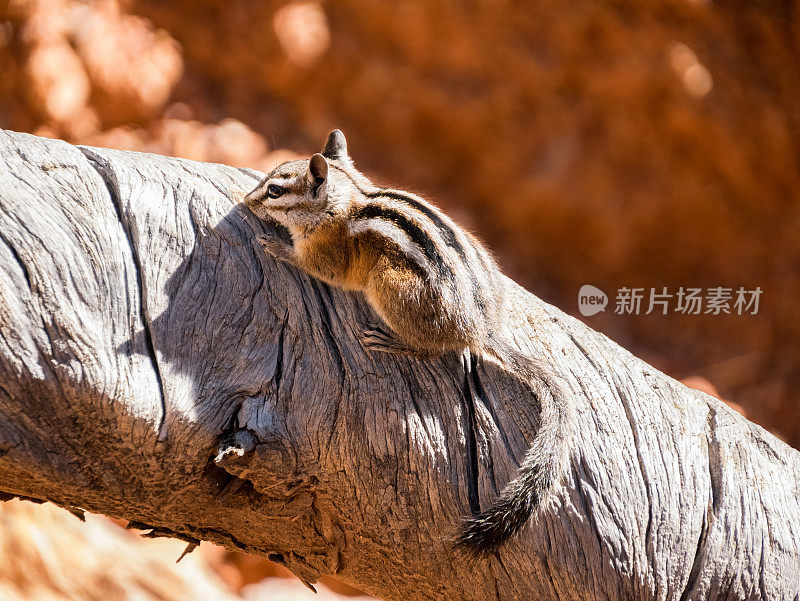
417	235
399	256
447	232
448	235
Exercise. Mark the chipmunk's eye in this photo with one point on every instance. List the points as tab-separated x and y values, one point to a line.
274	190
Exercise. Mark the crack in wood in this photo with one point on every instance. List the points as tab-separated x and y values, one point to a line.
471	438
110	181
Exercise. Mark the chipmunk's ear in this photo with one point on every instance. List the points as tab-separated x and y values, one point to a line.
317	173
336	146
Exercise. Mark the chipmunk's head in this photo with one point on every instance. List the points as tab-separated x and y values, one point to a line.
296	193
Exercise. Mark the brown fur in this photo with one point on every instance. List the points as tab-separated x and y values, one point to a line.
433	285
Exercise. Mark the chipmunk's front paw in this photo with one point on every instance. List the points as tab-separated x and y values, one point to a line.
267	241
276	247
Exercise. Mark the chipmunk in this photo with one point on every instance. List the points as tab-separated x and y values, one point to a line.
435	288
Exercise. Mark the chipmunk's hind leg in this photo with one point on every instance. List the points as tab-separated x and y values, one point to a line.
379	339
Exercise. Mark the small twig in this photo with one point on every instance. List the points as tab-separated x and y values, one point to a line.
189	548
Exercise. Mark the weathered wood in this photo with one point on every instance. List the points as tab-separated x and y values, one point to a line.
156	366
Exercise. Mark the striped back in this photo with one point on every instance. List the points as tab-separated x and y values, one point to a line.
445	252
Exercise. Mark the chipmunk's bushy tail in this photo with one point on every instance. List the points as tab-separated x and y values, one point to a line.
543	465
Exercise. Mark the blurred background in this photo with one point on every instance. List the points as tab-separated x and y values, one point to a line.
622	144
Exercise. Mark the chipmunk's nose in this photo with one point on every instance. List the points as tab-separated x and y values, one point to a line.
252	198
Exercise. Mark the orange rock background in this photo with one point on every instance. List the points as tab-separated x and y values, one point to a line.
48	555
623	143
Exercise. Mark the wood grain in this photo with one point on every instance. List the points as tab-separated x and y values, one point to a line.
156	366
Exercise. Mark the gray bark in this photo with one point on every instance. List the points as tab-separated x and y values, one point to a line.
156	366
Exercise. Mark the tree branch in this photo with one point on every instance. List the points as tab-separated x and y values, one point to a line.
156	366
